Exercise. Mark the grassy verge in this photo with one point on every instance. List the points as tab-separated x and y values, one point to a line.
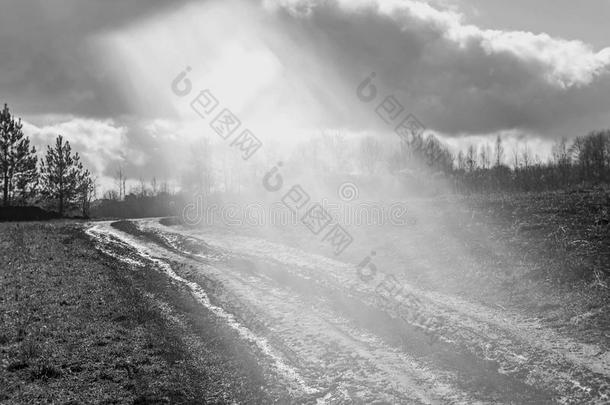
568	230
559	243
79	327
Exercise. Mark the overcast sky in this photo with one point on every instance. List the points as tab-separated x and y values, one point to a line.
99	71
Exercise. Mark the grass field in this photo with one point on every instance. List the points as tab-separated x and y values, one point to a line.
545	254
77	329
550	253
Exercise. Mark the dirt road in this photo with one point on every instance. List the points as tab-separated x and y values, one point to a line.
321	335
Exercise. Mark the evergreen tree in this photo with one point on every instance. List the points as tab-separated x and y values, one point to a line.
17	160
63	177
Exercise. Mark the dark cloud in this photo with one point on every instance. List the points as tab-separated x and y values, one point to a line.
456	79
481	82
143	149
46	63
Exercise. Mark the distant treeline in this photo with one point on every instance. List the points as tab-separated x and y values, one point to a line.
58	181
139	206
586	160
420	162
425	162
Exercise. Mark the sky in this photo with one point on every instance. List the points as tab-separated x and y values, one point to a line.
100	71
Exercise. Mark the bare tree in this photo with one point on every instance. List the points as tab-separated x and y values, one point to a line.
337	150
164	189
154	186
370	153
561	155
485	156
88	192
111	195
120	180
197	176
142	189
461	161
516	159
525	155
499	151
597	143
471	158
591	154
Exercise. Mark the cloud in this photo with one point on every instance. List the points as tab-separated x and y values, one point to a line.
47	64
100	74
98	142
566	63
141	148
458	78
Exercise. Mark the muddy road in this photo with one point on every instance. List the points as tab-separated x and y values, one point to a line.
321	334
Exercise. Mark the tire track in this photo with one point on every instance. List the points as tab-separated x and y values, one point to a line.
520	347
333	360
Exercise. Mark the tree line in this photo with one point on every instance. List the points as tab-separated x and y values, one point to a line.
58	179
423	158
483	168
584	161
424	161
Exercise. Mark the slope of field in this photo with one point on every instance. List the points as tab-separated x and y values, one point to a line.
150	311
545	255
78	327
326	337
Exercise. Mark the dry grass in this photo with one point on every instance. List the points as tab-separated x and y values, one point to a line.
544	253
78	327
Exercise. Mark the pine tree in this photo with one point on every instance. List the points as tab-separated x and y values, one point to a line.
17	160
62	175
